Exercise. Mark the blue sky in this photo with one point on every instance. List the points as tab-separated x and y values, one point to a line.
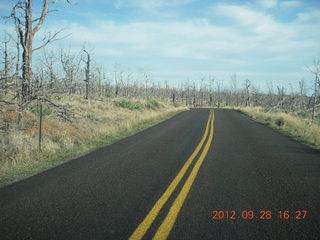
262	40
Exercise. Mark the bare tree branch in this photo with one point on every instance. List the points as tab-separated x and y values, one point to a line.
42	17
49	39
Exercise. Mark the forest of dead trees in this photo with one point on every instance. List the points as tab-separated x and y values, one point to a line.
24	80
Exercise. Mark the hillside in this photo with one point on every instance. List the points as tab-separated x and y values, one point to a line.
71	127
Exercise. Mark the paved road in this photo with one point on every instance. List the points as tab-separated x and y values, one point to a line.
168	180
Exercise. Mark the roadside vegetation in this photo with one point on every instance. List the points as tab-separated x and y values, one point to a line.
92	123
298	125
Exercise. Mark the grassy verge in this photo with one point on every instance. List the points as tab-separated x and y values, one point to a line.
291	124
98	123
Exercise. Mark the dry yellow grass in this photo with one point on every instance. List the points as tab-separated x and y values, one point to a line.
291	123
95	121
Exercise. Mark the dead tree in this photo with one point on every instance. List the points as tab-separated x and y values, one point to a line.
100	76
247	89
17	66
27	27
49	62
10	74
218	83
211	79
146	84
173	96
116	80
234	88
315	70
71	66
87	70
126	84
201	91
5	73
120	81
194	94
302	93
281	93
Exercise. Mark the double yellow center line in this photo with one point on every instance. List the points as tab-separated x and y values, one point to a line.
167	224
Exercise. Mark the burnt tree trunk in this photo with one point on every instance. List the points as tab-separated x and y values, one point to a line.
87	74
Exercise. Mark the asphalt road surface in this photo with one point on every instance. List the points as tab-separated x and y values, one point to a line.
199	175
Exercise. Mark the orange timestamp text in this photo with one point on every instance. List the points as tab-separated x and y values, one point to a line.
260	214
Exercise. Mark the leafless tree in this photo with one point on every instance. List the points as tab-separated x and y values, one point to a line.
281	93
247	85
101	77
116	80
49	61
302	93
87	71
27	27
211	83
234	87
218	84
71	66
146	77
5	73
315	70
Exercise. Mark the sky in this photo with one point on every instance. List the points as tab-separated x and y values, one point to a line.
175	40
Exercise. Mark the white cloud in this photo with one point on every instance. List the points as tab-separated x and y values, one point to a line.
267	3
242	15
252	22
194	39
312	16
291	3
246	36
150	5
251	33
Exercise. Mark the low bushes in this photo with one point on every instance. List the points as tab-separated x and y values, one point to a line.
300	128
128	104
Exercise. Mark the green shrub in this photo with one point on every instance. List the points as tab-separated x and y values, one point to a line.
46	111
304	114
279	121
131	105
176	105
57	97
153	104
317	119
92	116
109	95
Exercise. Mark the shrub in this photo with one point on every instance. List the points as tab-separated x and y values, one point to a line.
153	104
304	129
304	114
131	105
92	116
45	110
279	121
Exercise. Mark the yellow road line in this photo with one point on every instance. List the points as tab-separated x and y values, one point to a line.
167	224
148	220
